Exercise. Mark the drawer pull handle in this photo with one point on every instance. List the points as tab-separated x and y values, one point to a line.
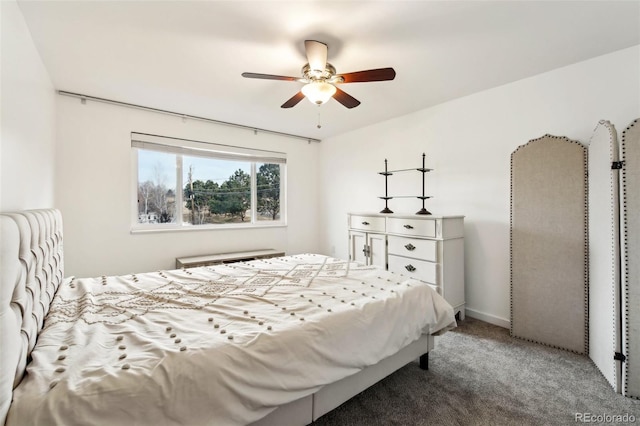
365	223
410	247
410	268
408	227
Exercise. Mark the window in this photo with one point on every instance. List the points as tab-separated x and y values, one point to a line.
181	183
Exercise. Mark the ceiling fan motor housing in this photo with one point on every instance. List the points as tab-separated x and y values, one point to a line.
327	75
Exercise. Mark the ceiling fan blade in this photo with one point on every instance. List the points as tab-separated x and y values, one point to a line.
293	101
268	76
380	74
345	99
316	54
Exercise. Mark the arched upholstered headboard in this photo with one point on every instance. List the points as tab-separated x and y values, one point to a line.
31	270
549	235
631	256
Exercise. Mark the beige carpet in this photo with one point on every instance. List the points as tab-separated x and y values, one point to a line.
479	375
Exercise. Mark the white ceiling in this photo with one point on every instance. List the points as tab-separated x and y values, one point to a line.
187	57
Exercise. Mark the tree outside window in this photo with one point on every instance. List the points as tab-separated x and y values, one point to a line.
268	191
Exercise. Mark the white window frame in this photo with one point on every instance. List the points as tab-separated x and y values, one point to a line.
182	147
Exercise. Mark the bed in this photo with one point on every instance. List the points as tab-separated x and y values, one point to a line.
278	341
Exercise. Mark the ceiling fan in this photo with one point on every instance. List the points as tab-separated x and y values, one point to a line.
320	78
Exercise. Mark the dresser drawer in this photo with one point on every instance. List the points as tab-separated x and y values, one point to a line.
413	247
419	269
417	227
367	223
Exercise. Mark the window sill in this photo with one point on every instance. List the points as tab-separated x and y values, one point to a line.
167	228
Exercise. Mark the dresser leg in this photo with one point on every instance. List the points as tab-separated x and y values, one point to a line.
424	361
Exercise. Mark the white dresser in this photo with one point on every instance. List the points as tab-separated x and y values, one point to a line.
429	248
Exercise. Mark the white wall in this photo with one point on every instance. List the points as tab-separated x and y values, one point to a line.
468	142
55	145
27	121
93	191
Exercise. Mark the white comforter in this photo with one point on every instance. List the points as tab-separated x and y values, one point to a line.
216	346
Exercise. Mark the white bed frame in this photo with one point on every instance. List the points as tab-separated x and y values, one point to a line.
32	269
306	410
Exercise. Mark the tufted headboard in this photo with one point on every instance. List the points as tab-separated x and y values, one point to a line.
31	269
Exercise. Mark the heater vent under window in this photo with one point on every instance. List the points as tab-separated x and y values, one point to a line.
220	258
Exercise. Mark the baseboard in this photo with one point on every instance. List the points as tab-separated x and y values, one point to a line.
491	319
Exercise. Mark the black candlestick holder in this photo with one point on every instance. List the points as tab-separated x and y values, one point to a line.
386	197
424	171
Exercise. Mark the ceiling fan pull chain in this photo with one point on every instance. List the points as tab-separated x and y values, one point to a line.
319	125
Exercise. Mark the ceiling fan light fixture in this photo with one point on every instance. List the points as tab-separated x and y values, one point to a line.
318	92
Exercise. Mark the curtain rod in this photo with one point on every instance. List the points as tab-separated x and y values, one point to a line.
83	98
